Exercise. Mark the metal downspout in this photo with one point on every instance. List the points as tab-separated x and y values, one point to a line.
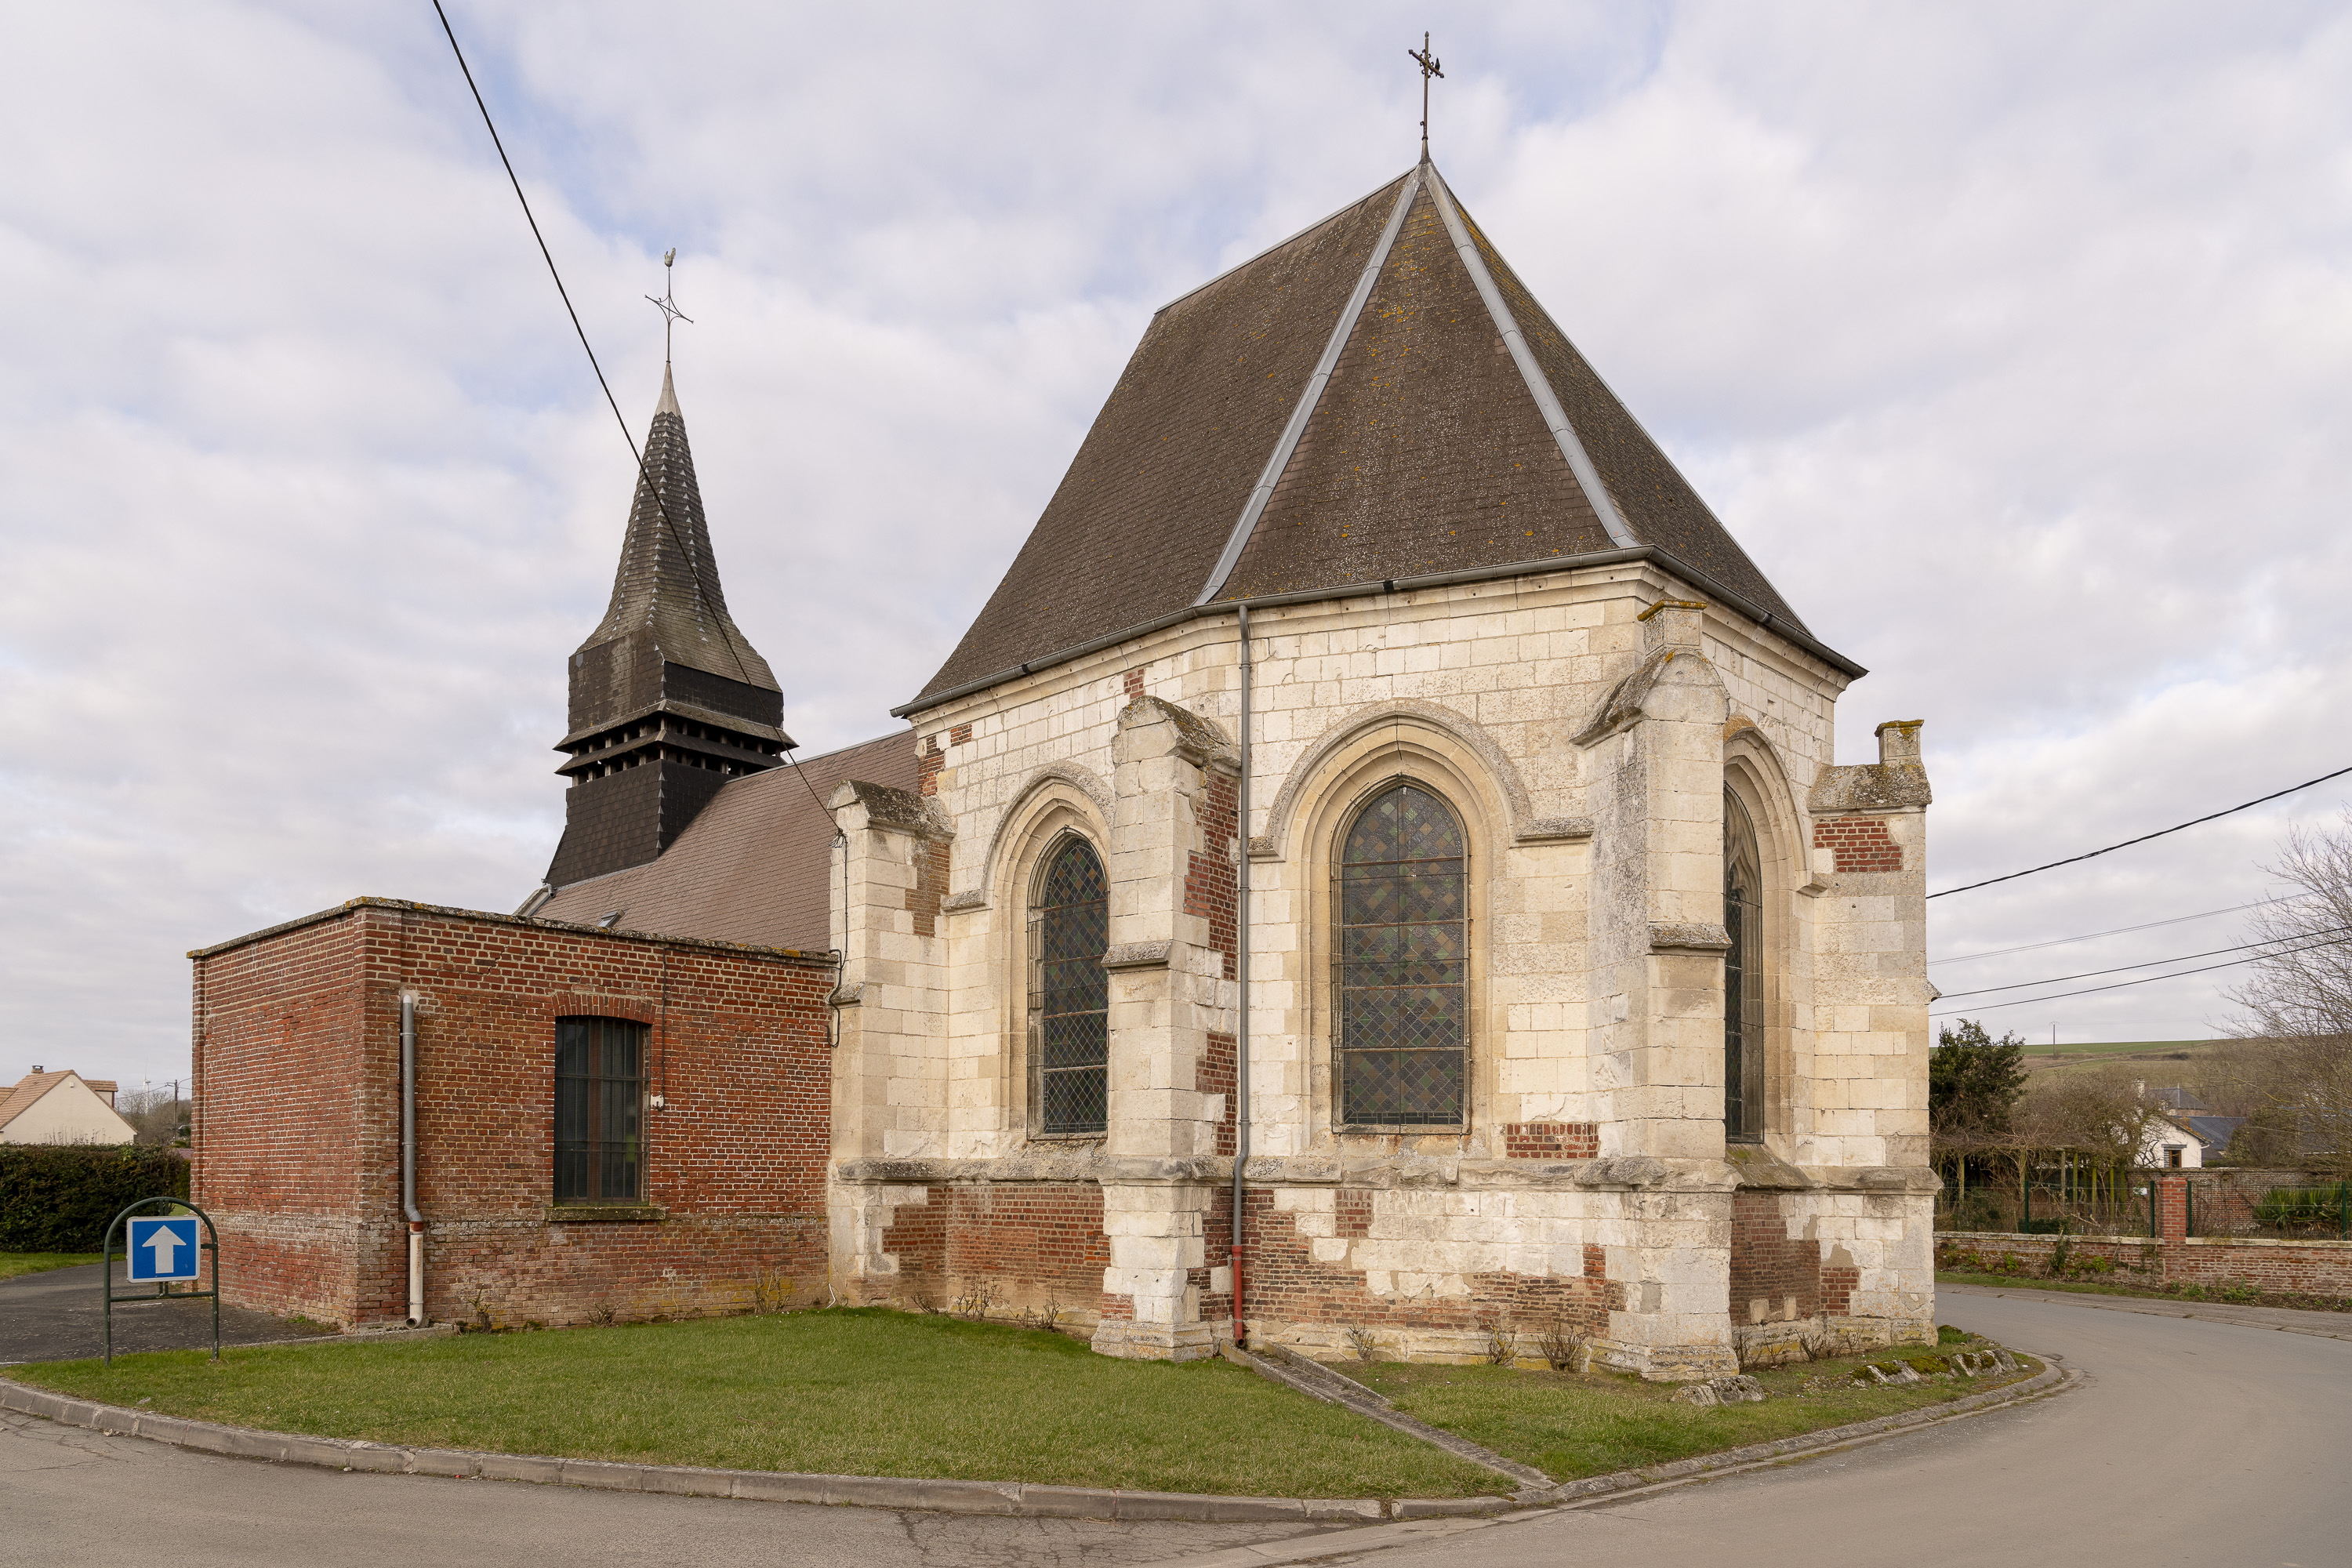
1241	974
408	1160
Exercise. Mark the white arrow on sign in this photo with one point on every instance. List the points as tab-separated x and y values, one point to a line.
166	1243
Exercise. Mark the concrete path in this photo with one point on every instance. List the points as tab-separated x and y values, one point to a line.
55	1316
2191	1442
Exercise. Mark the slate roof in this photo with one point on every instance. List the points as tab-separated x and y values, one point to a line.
752	864
665	590
1376	398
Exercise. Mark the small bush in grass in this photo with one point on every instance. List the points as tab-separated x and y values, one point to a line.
1562	1346
1366	1344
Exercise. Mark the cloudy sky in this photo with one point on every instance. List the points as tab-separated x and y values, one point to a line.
2012	340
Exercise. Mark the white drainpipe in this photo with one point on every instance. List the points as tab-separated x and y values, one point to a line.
408	1161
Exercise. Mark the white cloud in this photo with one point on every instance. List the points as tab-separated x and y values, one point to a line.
2011	341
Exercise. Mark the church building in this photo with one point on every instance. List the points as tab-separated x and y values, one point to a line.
1375	865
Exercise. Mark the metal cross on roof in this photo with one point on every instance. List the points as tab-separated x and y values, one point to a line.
1428	63
671	314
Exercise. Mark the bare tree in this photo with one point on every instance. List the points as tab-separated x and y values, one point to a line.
2298	1003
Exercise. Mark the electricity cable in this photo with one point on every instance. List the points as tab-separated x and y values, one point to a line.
2142	838
2144	980
693	567
2119	930
2120	968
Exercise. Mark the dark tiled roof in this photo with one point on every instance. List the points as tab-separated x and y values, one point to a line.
1429	450
753	867
667	592
1154	491
1424	453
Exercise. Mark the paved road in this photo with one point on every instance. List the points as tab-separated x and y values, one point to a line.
2193	1442
55	1316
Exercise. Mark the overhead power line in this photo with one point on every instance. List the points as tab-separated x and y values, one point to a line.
2144	980
2093	936
2142	838
2151	964
693	567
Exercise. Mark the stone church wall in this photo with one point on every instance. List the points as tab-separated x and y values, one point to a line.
298	1118
1585	727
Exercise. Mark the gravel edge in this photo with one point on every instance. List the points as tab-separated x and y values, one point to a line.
944	1496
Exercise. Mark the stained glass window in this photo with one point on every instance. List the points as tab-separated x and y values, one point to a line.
600	1066
1403	958
1069	993
1743	976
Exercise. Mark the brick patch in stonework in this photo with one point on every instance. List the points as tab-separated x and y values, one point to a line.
1551	1140
1213	1074
1211	888
1032	1239
1860	843
1768	1267
1286	1284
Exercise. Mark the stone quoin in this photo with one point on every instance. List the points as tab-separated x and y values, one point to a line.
1573	983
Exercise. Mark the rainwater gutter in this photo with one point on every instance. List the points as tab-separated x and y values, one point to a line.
408	1161
1242	974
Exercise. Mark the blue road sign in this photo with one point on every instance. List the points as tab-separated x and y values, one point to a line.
163	1247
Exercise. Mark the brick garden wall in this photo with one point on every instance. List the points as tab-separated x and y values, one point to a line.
296	1121
2284	1267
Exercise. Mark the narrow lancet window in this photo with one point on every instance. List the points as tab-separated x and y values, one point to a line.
1070	993
1402	953
1743	976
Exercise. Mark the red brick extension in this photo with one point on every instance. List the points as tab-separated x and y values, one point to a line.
1861	844
298	1135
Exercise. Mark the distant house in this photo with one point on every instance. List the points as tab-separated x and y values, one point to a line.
2167	1144
62	1108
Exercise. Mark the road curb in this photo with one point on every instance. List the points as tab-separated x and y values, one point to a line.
1422	1514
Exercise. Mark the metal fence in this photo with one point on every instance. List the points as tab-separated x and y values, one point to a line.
2218	1206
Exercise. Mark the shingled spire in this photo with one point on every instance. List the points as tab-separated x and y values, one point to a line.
670	699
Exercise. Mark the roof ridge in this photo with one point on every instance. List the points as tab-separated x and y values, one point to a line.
1626	408
1540	387
1286	445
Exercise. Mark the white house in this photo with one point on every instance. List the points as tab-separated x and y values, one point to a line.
62	1108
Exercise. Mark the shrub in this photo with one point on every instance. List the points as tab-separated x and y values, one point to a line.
59	1198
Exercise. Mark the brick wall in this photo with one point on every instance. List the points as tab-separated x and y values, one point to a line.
1214	1074
1551	1140
1774	1277
297	1127
2286	1267
1034	1241
1859	843
1211	888
1285	1283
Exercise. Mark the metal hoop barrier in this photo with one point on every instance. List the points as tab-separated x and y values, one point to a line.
164	1292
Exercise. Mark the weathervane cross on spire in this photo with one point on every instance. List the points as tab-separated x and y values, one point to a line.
672	315
1428	63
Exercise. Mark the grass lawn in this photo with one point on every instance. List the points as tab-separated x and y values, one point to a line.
845	1392
1569	1426
15	1263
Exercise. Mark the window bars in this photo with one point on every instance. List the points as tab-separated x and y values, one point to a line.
1401	962
1743	976
599	1107
1070	993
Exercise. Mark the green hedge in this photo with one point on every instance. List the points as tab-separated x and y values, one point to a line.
58	1198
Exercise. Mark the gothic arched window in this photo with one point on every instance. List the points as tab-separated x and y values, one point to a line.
1743	976
1069	993
1403	959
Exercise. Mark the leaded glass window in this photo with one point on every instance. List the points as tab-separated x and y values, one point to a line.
1402	959
600	1066
1743	976
1069	993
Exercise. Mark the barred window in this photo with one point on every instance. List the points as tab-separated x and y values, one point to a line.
598	1088
1743	976
1069	993
1402	959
